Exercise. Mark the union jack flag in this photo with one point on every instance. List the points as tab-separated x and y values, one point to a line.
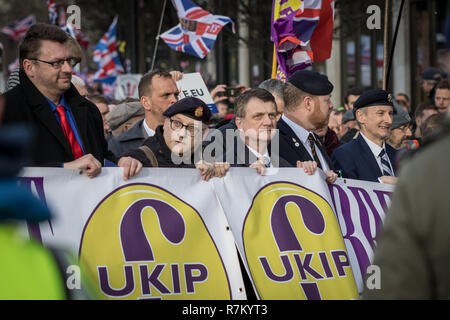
106	57
52	15
109	88
18	29
197	30
302	32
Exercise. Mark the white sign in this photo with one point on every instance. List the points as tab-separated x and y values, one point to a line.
127	86
192	85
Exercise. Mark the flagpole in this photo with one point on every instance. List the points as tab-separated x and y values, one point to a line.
385	49
157	36
394	40
274	62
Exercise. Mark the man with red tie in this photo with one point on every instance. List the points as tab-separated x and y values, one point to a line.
68	129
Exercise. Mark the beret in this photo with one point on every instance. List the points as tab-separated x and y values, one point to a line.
191	107
311	82
348	116
375	97
431	73
401	117
123	112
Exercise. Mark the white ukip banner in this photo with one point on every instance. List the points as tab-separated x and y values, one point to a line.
166	234
149	238
360	207
286	229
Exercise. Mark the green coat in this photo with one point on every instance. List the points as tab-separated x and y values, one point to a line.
413	250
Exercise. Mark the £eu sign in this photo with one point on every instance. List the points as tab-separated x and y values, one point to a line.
294	247
142	242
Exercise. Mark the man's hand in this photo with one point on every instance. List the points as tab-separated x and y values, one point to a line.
221	169
308	166
206	169
259	166
331	176
88	163
176	75
131	167
216	90
388	179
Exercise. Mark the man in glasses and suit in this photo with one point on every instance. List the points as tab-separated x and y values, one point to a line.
68	129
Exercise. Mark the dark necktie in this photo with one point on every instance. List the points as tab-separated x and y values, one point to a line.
68	132
385	164
312	143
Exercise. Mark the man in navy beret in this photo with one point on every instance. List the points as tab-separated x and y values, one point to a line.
176	142
368	157
307	107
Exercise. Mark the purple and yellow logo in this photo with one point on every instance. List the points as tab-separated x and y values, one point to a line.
294	246
142	242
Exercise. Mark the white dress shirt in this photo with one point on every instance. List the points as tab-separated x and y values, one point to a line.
149	131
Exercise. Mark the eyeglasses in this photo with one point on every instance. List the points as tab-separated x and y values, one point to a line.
59	63
177	125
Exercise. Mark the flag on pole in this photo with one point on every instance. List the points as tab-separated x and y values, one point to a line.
106	57
18	29
197	30
51	7
302	32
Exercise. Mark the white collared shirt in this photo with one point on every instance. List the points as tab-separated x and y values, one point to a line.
259	155
376	149
303	135
147	129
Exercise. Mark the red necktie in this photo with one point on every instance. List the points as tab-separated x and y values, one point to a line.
68	132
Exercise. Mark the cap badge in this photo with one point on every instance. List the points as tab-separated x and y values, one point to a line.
199	112
389	97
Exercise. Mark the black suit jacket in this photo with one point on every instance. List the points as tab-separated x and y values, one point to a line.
241	156
357	161
292	149
26	104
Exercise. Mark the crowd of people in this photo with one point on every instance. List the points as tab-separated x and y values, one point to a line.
367	138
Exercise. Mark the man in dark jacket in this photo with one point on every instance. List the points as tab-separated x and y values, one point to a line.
68	128
308	107
157	92
368	157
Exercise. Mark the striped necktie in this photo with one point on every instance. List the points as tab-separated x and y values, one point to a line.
386	168
312	143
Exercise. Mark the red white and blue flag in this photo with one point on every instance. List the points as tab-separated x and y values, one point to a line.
106	57
197	30
52	14
18	29
302	32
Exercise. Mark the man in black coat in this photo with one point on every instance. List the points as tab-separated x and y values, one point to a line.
308	107
68	129
250	145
